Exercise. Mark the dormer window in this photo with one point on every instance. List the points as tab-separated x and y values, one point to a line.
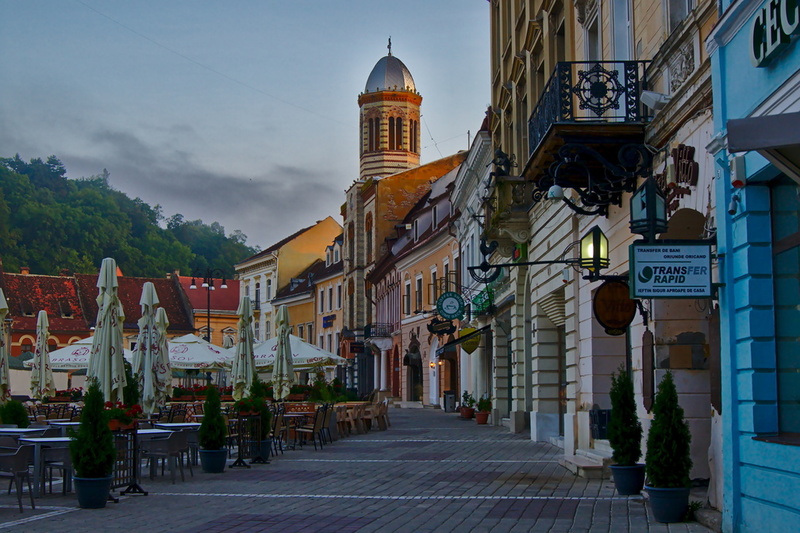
25	307
416	230
435	215
336	257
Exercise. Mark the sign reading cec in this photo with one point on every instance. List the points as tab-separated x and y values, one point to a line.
670	271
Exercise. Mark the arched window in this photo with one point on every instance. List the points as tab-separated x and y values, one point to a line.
413	133
398	133
351	244
368	231
392	137
372	126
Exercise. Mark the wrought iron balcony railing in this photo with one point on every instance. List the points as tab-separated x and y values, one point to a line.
378	330
589	91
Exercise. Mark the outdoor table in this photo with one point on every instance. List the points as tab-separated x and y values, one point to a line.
64	426
38	467
177	426
19	432
153	433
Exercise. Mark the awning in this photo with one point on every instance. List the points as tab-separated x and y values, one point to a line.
456	342
776	137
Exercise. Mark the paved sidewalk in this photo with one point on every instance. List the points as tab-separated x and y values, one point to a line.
430	471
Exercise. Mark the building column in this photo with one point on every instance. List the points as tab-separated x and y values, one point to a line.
376	372
384	370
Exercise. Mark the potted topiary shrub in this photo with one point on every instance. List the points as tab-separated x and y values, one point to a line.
625	435
668	459
467	405
13	412
262	442
93	452
211	435
484	410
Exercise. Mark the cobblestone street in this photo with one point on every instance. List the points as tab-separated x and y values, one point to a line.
430	471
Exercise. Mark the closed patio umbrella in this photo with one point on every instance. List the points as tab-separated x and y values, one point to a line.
5	392
283	368
106	363
150	360
243	368
41	375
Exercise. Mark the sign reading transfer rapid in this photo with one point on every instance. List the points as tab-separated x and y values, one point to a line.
670	270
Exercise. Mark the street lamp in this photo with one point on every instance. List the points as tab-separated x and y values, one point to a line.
208	285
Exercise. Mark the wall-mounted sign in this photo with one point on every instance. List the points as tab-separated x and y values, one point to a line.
450	305
437	326
773	27
613	307
472	343
327	321
356	347
670	270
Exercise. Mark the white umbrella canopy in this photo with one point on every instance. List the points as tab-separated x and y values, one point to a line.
42	385
106	363
190	352
5	392
75	356
243	368
151	352
282	369
304	355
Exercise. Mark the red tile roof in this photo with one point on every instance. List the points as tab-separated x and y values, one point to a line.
58	295
170	295
221	299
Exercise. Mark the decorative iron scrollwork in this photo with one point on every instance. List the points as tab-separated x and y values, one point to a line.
598	89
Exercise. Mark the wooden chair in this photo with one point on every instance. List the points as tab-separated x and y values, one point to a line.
279	432
325	432
14	467
341	421
314	429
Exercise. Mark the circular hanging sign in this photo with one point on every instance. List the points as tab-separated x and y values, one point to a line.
450	305
613	307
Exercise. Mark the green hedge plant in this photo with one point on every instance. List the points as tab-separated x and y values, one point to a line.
212	432
92	446
668	460
624	428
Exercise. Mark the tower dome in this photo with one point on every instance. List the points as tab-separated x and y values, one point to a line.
390	74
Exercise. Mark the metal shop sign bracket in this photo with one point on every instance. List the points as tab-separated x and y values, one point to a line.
670	270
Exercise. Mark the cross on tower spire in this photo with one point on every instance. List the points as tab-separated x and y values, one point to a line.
390	45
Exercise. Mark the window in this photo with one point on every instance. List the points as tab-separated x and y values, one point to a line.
434	287
269	289
413	135
621	29
339	296
336	346
310	329
435	215
785	197
266	331
256	331
351	244
416	230
336	255
592	37
407	299
322	300
419	295
678	10
330	298
446	274
321	342
330	342
368	235
301	331
258	293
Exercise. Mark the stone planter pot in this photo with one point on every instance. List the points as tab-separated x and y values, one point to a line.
628	479
482	417
92	492
213	461
668	505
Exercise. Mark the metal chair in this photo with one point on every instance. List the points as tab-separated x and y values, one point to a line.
14	466
170	450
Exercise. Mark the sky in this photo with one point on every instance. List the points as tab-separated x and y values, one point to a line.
243	112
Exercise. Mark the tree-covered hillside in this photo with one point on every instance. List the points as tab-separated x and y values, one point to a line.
50	223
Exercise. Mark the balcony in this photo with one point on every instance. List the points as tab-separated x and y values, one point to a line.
597	103
378	331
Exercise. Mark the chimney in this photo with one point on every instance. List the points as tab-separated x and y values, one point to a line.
24	270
